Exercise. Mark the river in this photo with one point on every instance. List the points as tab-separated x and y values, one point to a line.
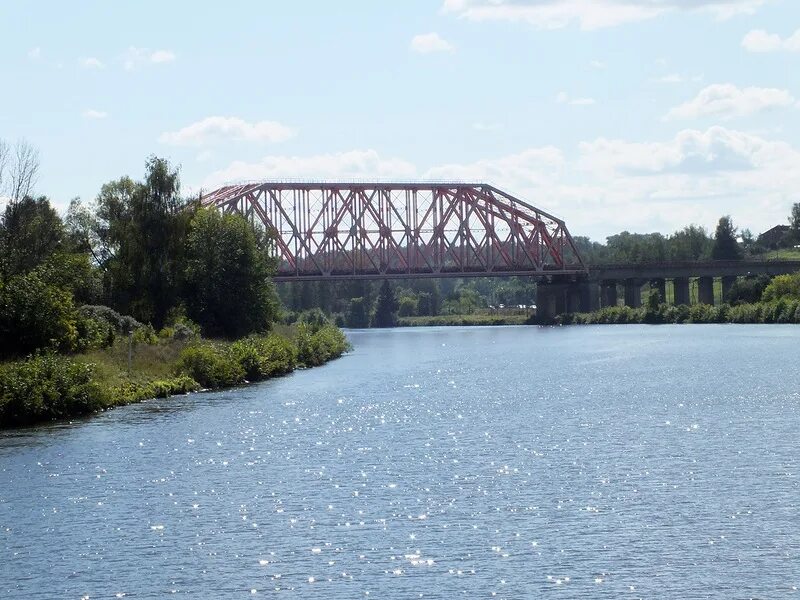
509	462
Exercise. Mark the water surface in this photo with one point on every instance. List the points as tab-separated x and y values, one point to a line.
598	462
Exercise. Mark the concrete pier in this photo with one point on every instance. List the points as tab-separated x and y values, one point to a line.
633	293
705	290
680	287
608	293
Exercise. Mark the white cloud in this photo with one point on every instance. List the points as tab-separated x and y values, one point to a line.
426	43
759	40
590	14
35	53
601	187
137	57
214	129
726	101
598	64
94	114
92	63
564	98
355	164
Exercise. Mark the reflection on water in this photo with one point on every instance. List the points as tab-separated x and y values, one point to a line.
477	462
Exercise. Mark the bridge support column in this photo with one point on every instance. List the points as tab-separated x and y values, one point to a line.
590	296
705	290
727	284
633	293
659	285
608	293
551	300
680	291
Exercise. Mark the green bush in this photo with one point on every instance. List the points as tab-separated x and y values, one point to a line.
130	391
46	387
210	366
314	349
35	315
264	356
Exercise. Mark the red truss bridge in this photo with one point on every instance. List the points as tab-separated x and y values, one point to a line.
401	230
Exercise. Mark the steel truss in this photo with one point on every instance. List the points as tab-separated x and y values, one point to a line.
401	230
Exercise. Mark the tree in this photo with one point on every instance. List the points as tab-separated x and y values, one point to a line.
139	237
24	170
30	232
19	170
227	288
725	245
356	315
782	286
386	307
690	243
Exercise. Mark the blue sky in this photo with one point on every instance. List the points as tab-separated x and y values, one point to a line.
643	115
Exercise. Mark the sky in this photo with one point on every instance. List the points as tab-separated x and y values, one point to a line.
638	115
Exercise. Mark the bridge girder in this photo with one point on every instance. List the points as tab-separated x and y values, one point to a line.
401	230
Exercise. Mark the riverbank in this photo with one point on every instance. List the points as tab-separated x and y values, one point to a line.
462	320
49	386
778	311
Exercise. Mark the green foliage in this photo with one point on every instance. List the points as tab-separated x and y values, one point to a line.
36	315
407	306
385	307
725	245
314	349
30	232
314	318
782	286
357	315
653	308
145	335
138	237
211	366
747	290
46	387
135	391
262	357
228	291
462	320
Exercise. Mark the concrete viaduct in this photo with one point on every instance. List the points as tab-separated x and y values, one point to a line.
613	284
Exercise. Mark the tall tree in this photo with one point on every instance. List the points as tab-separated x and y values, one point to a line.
386	307
690	243
30	232
725	245
228	290
140	232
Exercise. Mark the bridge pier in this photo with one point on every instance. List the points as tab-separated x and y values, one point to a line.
705	290
551	301
727	284
608	293
633	293
680	291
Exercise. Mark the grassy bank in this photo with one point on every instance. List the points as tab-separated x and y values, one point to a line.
48	386
779	311
460	320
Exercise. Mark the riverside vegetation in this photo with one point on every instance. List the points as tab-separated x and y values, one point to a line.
140	294
756	300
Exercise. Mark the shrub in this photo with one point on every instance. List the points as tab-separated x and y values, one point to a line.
46	387
122	324
210	366
314	318
314	349
35	315
262	357
783	286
